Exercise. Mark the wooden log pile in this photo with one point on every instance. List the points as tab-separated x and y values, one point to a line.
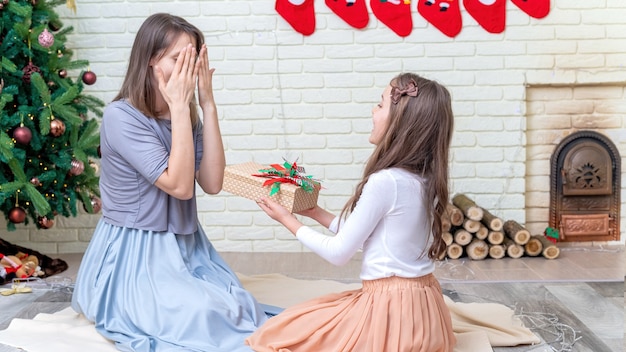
472	231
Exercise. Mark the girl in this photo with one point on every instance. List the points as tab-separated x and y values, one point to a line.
150	279
394	217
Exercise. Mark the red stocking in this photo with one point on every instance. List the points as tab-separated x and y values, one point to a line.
353	12
534	8
490	14
395	14
445	15
300	14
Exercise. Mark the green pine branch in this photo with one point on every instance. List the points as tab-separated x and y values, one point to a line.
36	174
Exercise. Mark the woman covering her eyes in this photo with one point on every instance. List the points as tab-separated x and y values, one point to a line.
150	280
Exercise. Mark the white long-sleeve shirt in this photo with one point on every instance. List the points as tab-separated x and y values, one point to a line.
389	223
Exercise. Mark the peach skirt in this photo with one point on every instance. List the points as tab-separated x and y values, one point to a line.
392	314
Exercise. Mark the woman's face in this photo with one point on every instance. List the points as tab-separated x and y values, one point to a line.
168	60
380	117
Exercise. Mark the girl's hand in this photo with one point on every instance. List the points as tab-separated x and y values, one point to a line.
280	214
310	213
205	78
273	209
180	87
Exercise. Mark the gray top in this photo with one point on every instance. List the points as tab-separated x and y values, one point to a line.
135	151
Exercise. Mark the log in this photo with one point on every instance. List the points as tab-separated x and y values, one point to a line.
516	232
495	237
462	237
496	251
468	207
491	221
513	249
533	247
471	225
455	215
550	250
482	232
447	238
445	225
477	249
454	251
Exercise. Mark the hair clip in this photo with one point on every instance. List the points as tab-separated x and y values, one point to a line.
397	93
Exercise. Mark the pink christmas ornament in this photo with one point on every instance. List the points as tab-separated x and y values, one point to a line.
46	39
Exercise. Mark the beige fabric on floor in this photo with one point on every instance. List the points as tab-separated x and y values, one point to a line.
478	326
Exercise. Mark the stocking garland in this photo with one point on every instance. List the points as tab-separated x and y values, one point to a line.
300	14
444	15
490	14
534	8
395	14
353	12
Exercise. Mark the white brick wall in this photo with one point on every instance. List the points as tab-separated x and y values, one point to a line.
284	95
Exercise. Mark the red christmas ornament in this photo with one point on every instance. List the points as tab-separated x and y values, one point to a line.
89	77
57	128
96	205
54	26
28	71
46	39
63	73
17	215
44	222
77	167
22	135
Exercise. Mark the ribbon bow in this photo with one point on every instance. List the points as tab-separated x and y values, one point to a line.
287	173
551	234
397	93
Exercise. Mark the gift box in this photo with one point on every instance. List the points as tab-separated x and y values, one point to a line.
253	181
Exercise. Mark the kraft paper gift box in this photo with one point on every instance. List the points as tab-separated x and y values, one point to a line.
240	180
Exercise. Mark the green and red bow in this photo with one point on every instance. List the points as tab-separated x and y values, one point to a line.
287	173
551	234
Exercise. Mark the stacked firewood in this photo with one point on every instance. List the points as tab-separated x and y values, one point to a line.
473	231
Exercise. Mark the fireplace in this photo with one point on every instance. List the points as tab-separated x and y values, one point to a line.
585	188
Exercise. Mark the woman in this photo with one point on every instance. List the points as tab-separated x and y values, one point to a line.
150	280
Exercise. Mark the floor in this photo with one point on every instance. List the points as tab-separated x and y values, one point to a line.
573	303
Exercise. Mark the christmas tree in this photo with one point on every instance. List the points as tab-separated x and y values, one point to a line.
48	143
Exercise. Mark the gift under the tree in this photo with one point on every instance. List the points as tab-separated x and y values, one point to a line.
286	184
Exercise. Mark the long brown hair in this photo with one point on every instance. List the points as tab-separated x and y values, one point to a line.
154	37
417	140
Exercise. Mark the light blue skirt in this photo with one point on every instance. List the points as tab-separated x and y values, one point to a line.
157	291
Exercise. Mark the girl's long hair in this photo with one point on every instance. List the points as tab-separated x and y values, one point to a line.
418	140
154	37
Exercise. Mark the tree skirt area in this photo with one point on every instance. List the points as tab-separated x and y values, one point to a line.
478	326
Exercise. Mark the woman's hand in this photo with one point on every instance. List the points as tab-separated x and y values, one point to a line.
180	87
205	79
210	176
